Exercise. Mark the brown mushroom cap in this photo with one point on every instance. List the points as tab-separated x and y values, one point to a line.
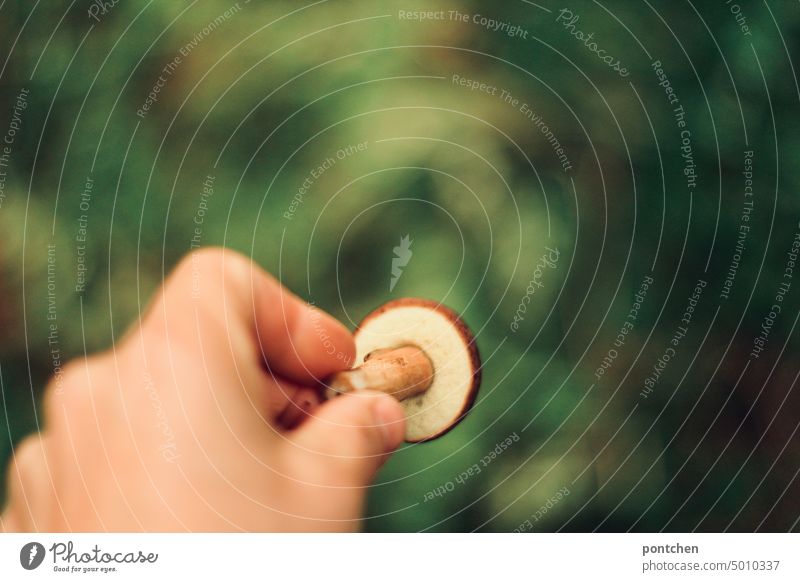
448	343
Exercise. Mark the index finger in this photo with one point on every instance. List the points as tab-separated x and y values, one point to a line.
295	340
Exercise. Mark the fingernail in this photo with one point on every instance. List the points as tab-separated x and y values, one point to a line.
390	417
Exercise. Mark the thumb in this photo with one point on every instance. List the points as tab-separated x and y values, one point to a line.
346	440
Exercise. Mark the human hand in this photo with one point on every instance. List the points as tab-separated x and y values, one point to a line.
186	424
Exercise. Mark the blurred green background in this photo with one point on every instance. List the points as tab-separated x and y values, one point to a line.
264	94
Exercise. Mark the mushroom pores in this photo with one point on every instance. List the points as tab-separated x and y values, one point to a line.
447	341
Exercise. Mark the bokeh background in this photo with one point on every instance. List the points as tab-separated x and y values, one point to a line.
264	93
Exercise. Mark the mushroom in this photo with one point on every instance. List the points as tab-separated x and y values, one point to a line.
421	353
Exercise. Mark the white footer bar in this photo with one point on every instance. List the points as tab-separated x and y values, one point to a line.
387	557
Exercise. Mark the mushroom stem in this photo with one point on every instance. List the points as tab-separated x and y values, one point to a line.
401	372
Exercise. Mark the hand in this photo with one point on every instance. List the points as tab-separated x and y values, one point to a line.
185	423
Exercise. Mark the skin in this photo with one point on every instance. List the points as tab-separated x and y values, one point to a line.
203	418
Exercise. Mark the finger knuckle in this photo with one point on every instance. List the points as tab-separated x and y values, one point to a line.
203	278
70	390
215	264
26	464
